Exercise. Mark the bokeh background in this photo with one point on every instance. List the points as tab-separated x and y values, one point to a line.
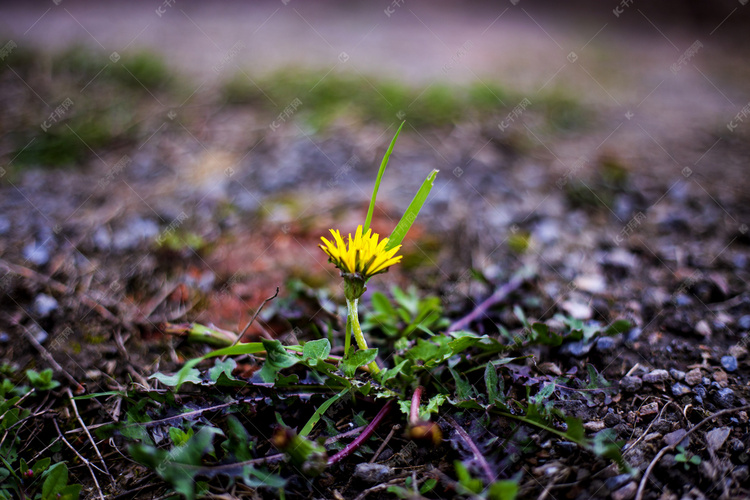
179	160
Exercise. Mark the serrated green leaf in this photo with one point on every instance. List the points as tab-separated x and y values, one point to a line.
186	374
464	391
226	367
359	358
381	171
412	211
490	381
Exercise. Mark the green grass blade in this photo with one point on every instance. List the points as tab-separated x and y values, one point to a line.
403	226
320	411
383	164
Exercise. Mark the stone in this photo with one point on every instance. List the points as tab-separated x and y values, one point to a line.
679	389
577	310
594	426
617	482
702	328
744	322
729	363
737	351
626	492
724	398
677	374
630	383
44	305
656	376
612	419
677	437
372	473
715	438
605	344
649	410
693	377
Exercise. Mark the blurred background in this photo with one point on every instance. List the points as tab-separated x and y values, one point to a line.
177	160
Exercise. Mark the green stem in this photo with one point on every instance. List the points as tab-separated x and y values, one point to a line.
353	319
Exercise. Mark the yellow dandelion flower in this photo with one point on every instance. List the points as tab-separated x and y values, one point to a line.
363	255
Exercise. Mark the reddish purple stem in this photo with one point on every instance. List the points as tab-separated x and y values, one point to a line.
414	411
366	433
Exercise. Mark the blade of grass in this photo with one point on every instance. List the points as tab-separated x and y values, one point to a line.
403	226
320	411
383	164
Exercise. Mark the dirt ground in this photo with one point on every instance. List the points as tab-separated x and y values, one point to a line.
635	208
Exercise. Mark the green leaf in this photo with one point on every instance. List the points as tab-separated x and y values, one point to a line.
70	492
316	350
381	171
503	490
42	380
320	411
543	335
363	357
619	326
277	358
56	478
464	391
238	440
236	350
403	226
186	374
490	381
225	367
41	465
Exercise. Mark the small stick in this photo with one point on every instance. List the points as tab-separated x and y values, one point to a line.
48	357
91	439
663	451
88	464
257	312
474	450
497	297
385	443
360	440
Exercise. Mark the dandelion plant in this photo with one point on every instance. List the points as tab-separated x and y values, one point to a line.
365	255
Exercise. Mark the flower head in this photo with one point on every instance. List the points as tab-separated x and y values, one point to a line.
363	256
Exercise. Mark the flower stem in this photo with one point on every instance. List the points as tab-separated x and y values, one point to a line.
357	330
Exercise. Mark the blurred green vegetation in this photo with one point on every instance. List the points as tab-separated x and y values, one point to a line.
326	96
118	99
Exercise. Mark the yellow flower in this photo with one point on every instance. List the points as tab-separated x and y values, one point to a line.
363	256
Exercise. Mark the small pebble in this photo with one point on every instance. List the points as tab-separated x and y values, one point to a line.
677	437
737	351
656	376
44	305
4	337
617	482
715	438
630	384
702	328
594	426
744	322
634	334
736	445
720	378
36	254
626	492
372	473
724	398
729	363
612	419
677	374
741	474
693	377
679	389
649	409
605	344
